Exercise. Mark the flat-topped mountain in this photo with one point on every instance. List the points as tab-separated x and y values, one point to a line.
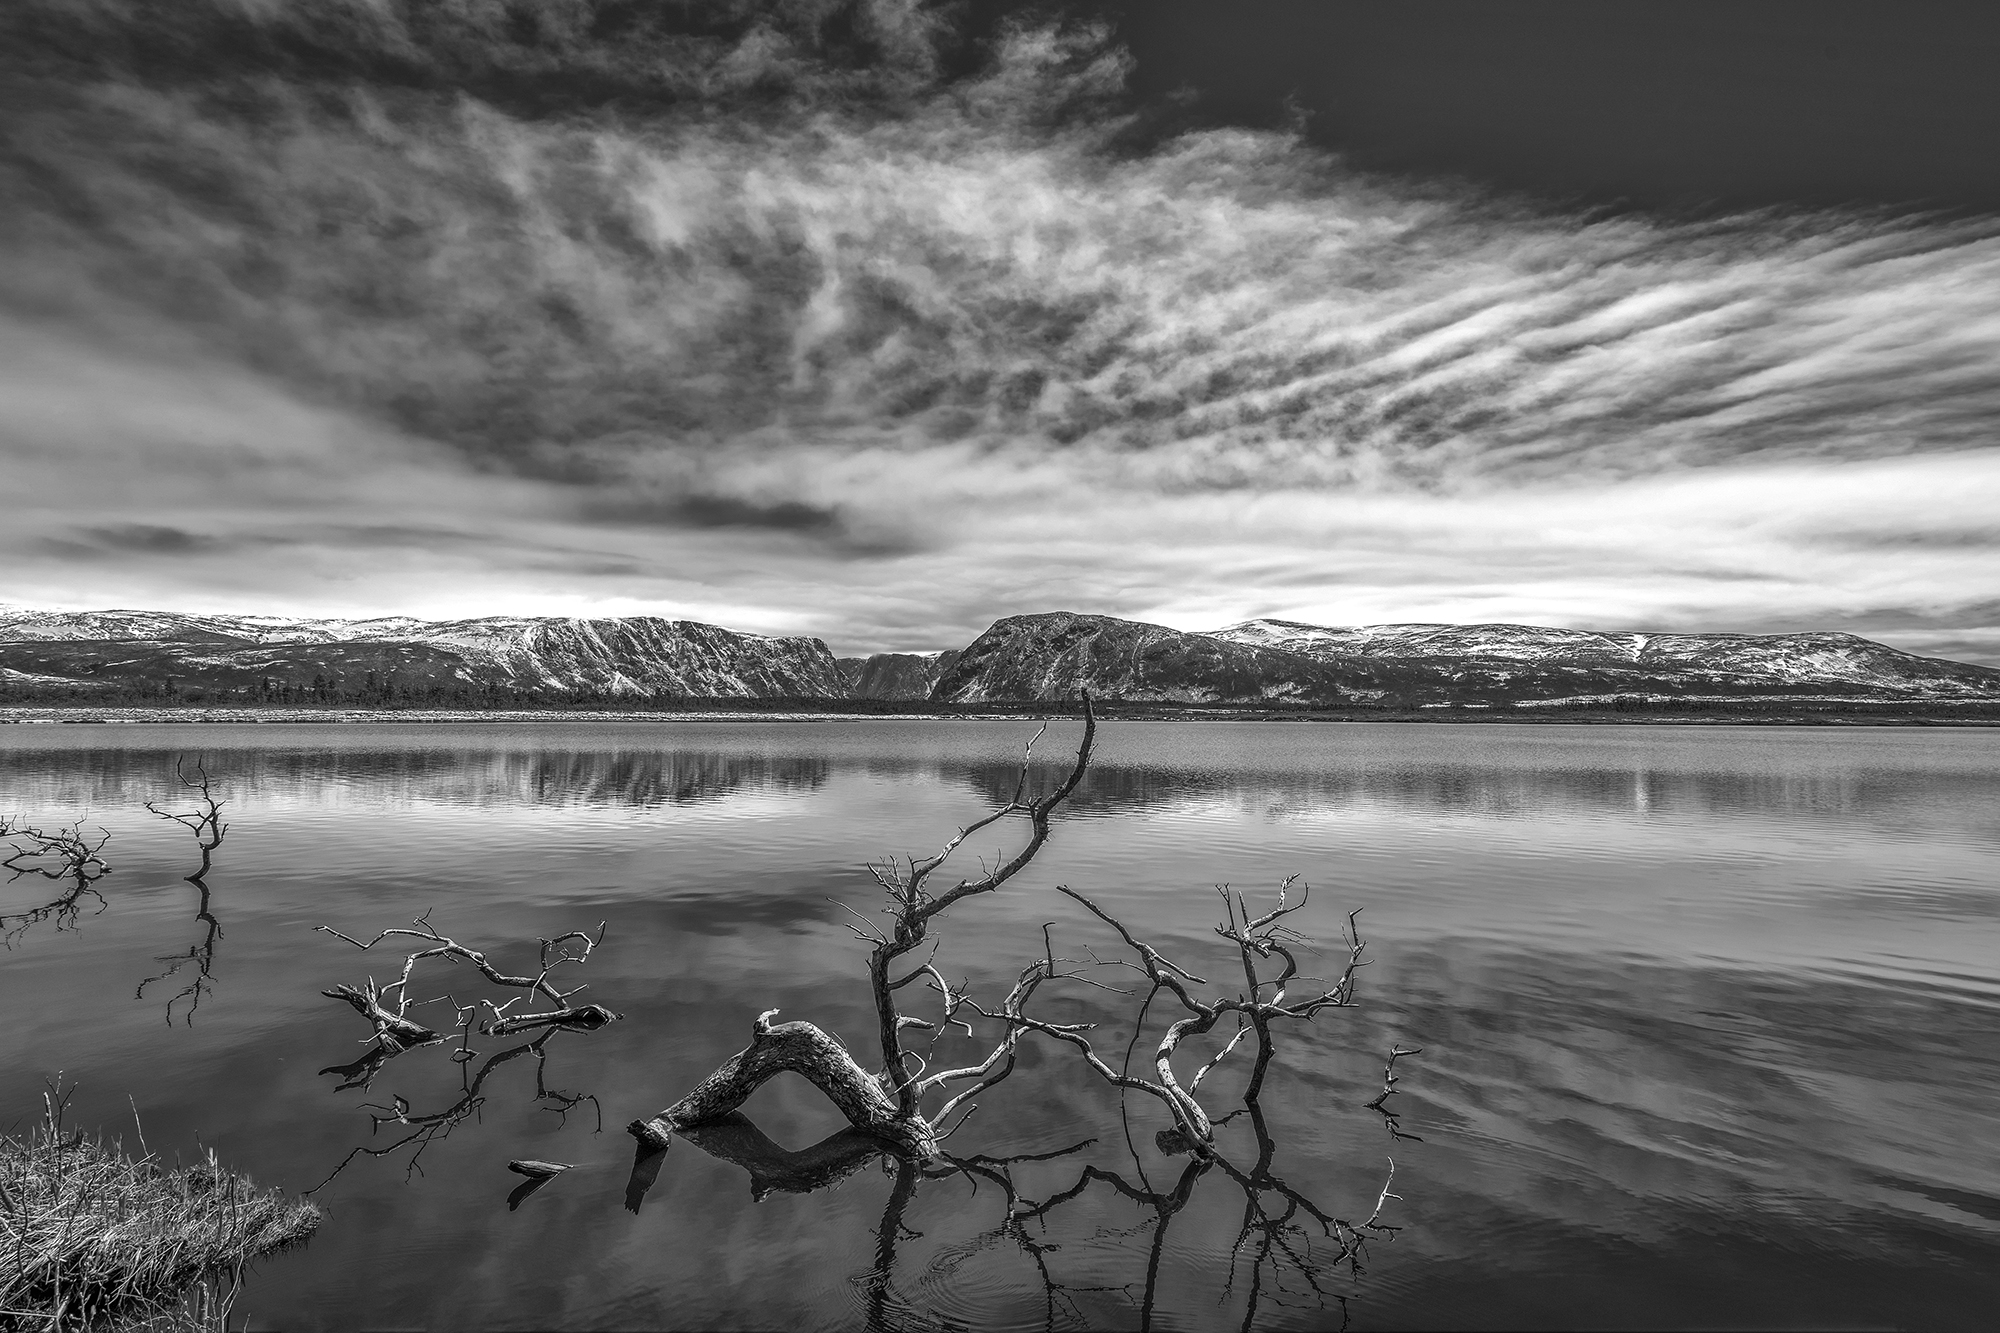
631	656
1532	661
1057	654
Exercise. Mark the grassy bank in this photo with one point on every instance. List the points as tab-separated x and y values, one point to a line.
92	1237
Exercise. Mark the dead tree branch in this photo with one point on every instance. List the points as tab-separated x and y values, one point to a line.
205	823
393	1032
803	1049
393	1026
387	1009
1255	939
68	856
890	1108
1281	1224
912	906
1393	1120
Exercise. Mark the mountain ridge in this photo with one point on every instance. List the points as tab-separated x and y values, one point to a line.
1521	654
1056	654
619	656
1042	656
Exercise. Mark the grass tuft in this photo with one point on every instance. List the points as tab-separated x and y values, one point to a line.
92	1237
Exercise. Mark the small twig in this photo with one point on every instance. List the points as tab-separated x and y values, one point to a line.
1392	1120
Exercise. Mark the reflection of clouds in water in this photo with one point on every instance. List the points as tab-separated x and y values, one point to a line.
1834	1110
1581	1110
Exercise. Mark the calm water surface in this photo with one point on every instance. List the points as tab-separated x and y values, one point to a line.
1708	1016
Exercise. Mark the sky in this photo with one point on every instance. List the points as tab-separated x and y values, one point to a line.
878	321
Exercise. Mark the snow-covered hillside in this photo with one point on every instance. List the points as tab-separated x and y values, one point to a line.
1826	660
639	656
1047	656
1056	654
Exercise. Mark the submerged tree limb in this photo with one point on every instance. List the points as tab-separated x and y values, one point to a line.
554	953
804	1049
395	1032
1255	938
890	1108
912	907
68	856
887	1108
387	1009
205	823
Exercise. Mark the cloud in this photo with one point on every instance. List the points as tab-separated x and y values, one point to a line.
696	510
148	539
821	315
828	529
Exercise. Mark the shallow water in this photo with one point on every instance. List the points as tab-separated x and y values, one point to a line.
1708	1016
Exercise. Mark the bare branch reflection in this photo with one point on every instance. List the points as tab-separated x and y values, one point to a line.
1289	1253
426	1128
205	823
395	1033
69	857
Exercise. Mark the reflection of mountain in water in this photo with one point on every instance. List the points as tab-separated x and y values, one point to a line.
1235	771
1484	791
554	777
607	778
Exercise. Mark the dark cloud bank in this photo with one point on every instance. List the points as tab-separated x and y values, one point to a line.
880	320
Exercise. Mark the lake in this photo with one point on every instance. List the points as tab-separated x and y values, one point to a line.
1710	1018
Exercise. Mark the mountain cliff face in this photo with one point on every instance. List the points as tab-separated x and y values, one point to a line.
1057	654
906	676
638	656
1528	661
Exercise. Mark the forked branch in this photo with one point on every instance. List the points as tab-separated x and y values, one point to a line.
889	1107
911	905
1255	938
394	1025
205	823
68	856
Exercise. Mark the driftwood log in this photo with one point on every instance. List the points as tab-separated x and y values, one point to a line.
802	1049
395	1032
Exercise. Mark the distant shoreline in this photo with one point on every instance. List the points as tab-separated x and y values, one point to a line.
1847	715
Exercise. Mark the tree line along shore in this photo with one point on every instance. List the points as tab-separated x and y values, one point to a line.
1799	712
